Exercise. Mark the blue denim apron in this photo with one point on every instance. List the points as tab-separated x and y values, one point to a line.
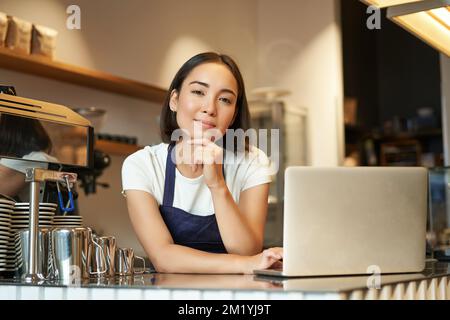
197	232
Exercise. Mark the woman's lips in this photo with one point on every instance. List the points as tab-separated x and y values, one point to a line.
206	124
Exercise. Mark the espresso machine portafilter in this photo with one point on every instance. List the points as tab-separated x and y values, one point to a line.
41	135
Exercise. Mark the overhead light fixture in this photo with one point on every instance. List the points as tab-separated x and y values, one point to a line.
428	20
442	15
387	3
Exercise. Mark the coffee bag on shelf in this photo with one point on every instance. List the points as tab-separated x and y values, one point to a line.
43	41
3	28
18	37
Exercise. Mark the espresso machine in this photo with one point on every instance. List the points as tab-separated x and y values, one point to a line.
55	146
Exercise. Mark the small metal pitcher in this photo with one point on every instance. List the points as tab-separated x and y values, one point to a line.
44	262
72	250
125	262
108	246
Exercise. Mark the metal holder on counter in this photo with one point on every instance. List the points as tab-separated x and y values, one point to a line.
35	176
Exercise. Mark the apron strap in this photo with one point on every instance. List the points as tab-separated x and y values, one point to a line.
169	181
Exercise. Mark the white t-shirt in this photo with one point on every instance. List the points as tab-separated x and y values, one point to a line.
145	170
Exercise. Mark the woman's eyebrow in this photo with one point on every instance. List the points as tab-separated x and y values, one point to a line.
207	86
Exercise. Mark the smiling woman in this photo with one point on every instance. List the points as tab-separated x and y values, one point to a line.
192	211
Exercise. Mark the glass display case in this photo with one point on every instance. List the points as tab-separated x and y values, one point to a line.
292	150
439	208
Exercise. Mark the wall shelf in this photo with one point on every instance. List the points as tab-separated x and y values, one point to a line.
45	67
116	148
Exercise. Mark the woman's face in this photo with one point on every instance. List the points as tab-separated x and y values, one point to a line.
206	103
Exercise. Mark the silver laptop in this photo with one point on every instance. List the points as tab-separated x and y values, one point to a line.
349	221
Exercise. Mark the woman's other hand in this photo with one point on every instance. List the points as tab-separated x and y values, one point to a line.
268	259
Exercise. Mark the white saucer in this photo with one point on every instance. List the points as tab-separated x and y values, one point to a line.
25	226
46	210
51	204
16	223
4	201
4	228
25	223
48	204
17	205
40	208
8	264
26	213
17	216
6	204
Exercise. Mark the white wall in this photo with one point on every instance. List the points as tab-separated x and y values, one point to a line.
299	47
288	43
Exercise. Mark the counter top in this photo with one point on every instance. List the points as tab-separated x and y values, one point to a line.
197	286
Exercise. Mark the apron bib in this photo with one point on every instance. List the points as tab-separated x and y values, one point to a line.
194	231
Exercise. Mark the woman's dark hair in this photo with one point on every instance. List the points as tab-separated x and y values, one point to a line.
19	136
168	122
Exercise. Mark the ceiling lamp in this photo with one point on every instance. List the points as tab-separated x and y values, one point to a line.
428	20
387	3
